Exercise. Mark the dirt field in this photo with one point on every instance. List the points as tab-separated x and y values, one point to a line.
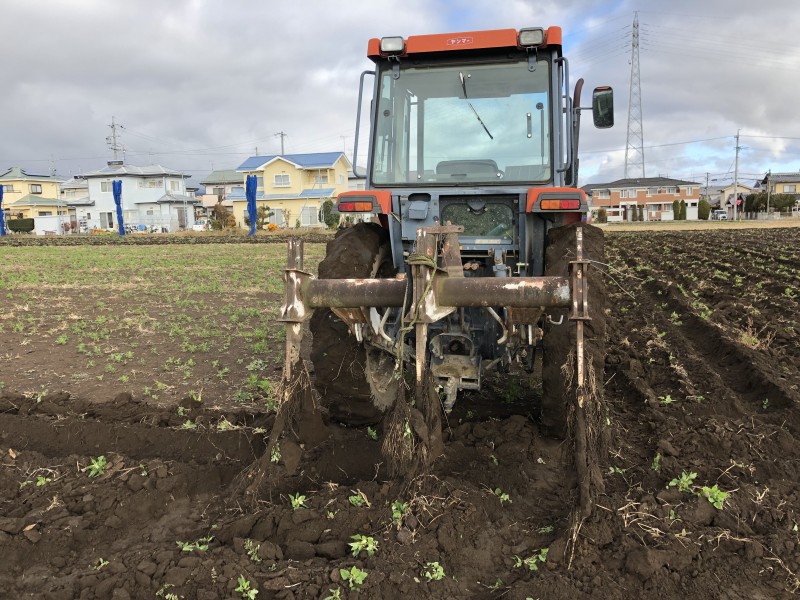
163	361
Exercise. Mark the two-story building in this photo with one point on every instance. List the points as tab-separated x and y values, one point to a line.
654	194
28	195
153	198
294	186
219	186
781	183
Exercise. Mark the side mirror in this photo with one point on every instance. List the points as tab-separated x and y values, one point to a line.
603	107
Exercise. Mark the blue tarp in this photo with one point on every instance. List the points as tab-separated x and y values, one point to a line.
2	214
250	192
116	187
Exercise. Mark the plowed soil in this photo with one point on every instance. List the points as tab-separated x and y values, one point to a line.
702	378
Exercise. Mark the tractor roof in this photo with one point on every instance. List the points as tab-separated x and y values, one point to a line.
495	39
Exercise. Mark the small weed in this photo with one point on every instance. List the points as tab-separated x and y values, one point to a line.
684	482
715	495
433	571
675	319
363	543
399	510
62	339
359	499
275	453
245	589
353	576
298	501
532	562
503	496
546	529
100	564
251	548
334	594
765	404
656	464
97	467
201	544
666	400
372	433
42	480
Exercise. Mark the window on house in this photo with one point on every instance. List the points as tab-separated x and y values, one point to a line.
341	179
672	190
602	194
309	216
281	180
150	212
689	190
154	183
218	191
88	215
321	178
260	182
69	193
790	188
652	191
626	194
45	213
276	218
35	188
9	189
105	186
174	186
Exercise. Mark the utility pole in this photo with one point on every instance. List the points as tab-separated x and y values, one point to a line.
769	190
281	134
707	176
113	140
736	179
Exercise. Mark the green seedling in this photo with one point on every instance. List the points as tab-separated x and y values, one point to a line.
532	562
433	571
100	564
251	548
97	467
546	529
715	496
245	588
298	501
399	510
334	594
372	433
359	499
684	483
353	576
504	497
666	400
201	544
363	543
275	454
42	480
656	464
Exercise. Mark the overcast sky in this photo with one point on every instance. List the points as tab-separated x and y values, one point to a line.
200	84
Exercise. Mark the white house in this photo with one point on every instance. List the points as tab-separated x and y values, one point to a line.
153	198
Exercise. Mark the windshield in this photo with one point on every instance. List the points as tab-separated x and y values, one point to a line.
482	123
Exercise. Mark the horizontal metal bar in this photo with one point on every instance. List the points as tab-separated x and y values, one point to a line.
522	292
353	293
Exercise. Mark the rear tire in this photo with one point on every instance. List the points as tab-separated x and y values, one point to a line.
360	251
560	340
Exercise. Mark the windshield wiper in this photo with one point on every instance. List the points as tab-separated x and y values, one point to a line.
466	97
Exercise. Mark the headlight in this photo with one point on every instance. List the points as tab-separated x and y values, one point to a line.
531	37
392	45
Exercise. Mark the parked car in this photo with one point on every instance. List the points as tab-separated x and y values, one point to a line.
201	225
719	215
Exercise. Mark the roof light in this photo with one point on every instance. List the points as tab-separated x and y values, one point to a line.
392	45
531	37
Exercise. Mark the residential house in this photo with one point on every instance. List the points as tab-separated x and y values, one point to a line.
723	196
219	186
294	186
654	194
153	198
781	183
75	192
28	195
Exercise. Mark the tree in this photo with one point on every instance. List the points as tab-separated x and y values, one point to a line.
676	210
641	212
262	217
330	219
682	207
602	216
221	217
634	213
703	209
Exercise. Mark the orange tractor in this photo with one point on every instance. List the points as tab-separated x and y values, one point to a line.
471	253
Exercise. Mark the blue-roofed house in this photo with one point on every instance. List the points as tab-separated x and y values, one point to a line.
294	186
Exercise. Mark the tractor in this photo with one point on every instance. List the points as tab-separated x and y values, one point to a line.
468	250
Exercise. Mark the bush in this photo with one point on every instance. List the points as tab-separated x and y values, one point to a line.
676	210
602	216
20	225
634	213
330	219
682	207
641	212
703	209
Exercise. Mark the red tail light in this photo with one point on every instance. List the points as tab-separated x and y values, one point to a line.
355	206
560	204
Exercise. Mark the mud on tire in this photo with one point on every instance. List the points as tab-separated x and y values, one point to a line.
560	340
361	251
